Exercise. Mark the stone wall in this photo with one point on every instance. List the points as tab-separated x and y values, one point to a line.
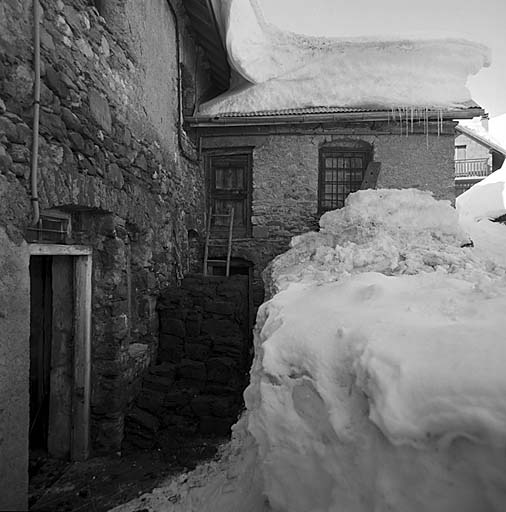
285	176
111	155
203	362
14	332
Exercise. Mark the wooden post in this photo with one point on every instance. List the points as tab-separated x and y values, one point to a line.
82	359
230	234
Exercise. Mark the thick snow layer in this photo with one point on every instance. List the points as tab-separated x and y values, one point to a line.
490	134
378	382
486	199
497	129
477	207
282	70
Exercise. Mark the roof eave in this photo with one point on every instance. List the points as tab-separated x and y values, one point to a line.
201	121
491	145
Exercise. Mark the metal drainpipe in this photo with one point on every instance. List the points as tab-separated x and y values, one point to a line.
179	85
36	114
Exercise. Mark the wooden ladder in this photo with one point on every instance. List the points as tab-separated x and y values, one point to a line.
213	242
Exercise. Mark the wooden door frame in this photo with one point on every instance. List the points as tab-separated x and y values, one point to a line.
246	151
82	257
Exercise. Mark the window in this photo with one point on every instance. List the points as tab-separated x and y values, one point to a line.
341	172
229	186
460	152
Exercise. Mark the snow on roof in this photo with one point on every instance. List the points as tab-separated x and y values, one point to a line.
475	129
279	70
497	129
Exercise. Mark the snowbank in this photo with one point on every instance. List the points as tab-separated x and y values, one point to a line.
486	199
477	207
282	70
378	381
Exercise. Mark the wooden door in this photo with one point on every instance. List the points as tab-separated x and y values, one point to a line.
229	187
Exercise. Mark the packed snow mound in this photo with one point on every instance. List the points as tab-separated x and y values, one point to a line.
486	199
389	231
478	207
378	382
283	70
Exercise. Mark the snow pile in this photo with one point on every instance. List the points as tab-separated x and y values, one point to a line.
378	381
486	199
478	206
283	70
389	231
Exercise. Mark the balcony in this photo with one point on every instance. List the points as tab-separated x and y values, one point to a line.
477	168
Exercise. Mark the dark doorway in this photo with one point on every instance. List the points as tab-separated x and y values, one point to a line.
51	354
41	307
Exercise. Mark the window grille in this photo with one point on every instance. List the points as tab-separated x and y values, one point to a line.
341	173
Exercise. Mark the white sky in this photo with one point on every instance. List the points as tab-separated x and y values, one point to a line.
483	21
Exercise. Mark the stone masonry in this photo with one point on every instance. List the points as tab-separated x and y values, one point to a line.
203	362
112	156
285	174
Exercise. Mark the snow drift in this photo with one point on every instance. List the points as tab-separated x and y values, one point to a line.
378	382
276	70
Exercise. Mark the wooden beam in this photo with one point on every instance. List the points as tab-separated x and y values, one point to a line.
59	250
82	359
62	343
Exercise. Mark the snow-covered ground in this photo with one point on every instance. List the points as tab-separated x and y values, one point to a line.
275	69
378	382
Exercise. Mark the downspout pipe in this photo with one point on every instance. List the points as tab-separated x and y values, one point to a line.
179	85
36	115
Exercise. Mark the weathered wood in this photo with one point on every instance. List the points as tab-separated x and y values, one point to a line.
371	175
82	358
230	234
59	250
60	402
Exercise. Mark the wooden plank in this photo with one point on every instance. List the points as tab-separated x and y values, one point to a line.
82	358
371	175
62	345
230	234
59	250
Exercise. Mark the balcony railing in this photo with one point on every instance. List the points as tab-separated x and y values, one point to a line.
478	168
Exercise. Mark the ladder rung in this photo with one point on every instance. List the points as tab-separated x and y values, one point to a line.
216	261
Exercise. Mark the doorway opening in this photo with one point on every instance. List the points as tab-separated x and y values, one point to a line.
60	321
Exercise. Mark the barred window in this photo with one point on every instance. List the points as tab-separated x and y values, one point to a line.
340	173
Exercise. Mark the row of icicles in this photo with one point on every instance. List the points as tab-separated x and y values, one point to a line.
407	117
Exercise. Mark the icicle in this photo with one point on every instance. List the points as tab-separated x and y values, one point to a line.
438	123
427	126
407	122
411	119
400	119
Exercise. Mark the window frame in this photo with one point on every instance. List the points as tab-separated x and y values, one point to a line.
222	153
337	152
459	149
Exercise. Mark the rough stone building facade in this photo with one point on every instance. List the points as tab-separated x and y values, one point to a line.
124	188
122	182
282	159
